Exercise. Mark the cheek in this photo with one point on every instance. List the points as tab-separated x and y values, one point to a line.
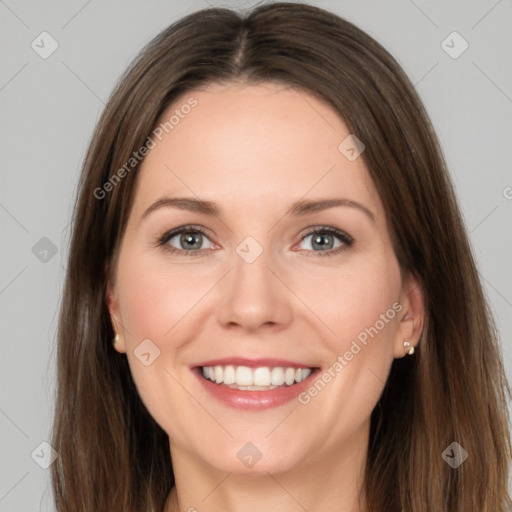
362	308
154	297
359	299
154	303
158	302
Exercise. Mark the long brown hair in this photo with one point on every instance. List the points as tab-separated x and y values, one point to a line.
112	454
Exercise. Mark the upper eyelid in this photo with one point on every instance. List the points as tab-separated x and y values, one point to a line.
171	233
327	229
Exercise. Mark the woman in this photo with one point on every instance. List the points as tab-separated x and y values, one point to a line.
271	302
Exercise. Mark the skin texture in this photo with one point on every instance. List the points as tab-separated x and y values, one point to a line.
254	150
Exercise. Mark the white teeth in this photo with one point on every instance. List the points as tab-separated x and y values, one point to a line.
261	377
229	375
305	373
218	374
289	376
243	377
301	374
277	376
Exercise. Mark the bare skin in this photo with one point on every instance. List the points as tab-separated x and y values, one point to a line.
255	150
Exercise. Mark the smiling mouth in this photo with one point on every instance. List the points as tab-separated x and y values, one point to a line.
264	378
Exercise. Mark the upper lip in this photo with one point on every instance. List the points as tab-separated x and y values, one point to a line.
252	363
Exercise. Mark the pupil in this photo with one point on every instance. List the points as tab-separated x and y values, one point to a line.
318	240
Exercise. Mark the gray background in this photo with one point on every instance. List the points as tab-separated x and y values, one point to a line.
50	106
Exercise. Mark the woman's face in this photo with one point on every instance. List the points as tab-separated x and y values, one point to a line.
262	289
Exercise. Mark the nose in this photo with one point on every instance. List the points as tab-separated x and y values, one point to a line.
253	296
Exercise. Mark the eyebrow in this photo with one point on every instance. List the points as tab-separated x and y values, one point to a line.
306	207
299	208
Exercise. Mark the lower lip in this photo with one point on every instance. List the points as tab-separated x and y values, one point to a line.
253	400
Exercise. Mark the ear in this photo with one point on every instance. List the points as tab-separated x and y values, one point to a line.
115	317
412	316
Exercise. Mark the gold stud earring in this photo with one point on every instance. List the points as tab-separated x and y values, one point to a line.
409	349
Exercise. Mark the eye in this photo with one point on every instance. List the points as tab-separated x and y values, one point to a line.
185	241
190	241
327	241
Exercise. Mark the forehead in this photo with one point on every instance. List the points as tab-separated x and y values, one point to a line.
252	146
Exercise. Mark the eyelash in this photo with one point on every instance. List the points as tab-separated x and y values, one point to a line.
346	240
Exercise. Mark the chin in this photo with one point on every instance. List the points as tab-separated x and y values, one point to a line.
249	459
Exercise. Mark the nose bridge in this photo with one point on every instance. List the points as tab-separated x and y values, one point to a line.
251	267
253	296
